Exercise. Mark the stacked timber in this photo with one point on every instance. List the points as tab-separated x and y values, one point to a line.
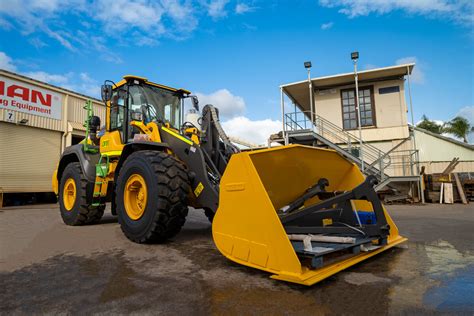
449	188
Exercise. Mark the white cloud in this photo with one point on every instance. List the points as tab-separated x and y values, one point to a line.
85	77
459	11
468	113
228	104
31	16
146	41
100	45
242	8
216	8
182	14
120	15
327	26
117	20
60	38
84	84
256	132
6	62
4	24
47	77
37	43
417	76
80	83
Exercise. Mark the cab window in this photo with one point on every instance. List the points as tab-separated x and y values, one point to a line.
117	109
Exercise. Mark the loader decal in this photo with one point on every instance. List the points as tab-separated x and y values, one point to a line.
198	189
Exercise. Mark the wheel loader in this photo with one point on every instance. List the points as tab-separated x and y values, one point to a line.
300	213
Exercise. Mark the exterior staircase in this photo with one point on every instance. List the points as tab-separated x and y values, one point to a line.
371	160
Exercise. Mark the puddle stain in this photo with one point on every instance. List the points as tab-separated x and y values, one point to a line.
455	273
361	278
429	275
454	295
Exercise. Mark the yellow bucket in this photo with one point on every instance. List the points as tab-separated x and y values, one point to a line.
247	228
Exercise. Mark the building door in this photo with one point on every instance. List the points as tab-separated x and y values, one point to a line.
28	158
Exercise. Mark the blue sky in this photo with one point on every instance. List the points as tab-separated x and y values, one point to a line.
237	53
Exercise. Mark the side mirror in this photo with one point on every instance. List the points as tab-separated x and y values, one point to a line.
195	102
106	92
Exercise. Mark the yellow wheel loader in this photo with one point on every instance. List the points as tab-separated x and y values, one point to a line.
300	213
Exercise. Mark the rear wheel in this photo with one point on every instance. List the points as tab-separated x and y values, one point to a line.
73	205
209	214
151	199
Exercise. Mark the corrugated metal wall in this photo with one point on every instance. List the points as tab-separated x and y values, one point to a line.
36	121
28	157
440	166
76	112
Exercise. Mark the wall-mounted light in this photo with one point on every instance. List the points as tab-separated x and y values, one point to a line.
23	121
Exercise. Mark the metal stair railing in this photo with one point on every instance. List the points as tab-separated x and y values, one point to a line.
376	161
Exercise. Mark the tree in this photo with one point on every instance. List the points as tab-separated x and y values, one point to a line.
429	125
458	126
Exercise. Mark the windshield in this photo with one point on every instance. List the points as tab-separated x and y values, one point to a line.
154	104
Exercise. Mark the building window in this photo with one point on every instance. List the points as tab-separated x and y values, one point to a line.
349	114
349	111
387	90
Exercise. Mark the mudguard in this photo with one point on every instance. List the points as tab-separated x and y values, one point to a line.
75	153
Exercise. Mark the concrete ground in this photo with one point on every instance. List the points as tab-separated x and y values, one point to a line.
47	267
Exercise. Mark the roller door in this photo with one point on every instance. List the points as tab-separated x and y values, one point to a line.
28	157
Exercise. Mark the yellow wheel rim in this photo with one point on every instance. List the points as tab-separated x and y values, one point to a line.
135	196
69	194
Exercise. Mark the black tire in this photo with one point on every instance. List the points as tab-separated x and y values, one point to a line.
82	212
209	214
166	208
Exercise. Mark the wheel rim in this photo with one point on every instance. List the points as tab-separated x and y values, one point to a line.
135	196
69	194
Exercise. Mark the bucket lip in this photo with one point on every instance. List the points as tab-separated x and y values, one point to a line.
256	152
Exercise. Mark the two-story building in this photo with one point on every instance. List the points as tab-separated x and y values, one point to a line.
323	111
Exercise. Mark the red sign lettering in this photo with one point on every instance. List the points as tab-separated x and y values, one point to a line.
26	94
35	95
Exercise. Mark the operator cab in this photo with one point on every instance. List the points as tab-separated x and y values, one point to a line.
136	99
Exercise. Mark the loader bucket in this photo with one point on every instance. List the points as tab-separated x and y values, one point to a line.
339	226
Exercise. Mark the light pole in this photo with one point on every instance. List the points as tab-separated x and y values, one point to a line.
307	65
355	57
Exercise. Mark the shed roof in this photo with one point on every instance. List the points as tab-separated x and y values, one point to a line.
299	91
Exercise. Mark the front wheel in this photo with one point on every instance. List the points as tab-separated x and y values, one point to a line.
73	202
152	189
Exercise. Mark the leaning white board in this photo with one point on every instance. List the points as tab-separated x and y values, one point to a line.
448	193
